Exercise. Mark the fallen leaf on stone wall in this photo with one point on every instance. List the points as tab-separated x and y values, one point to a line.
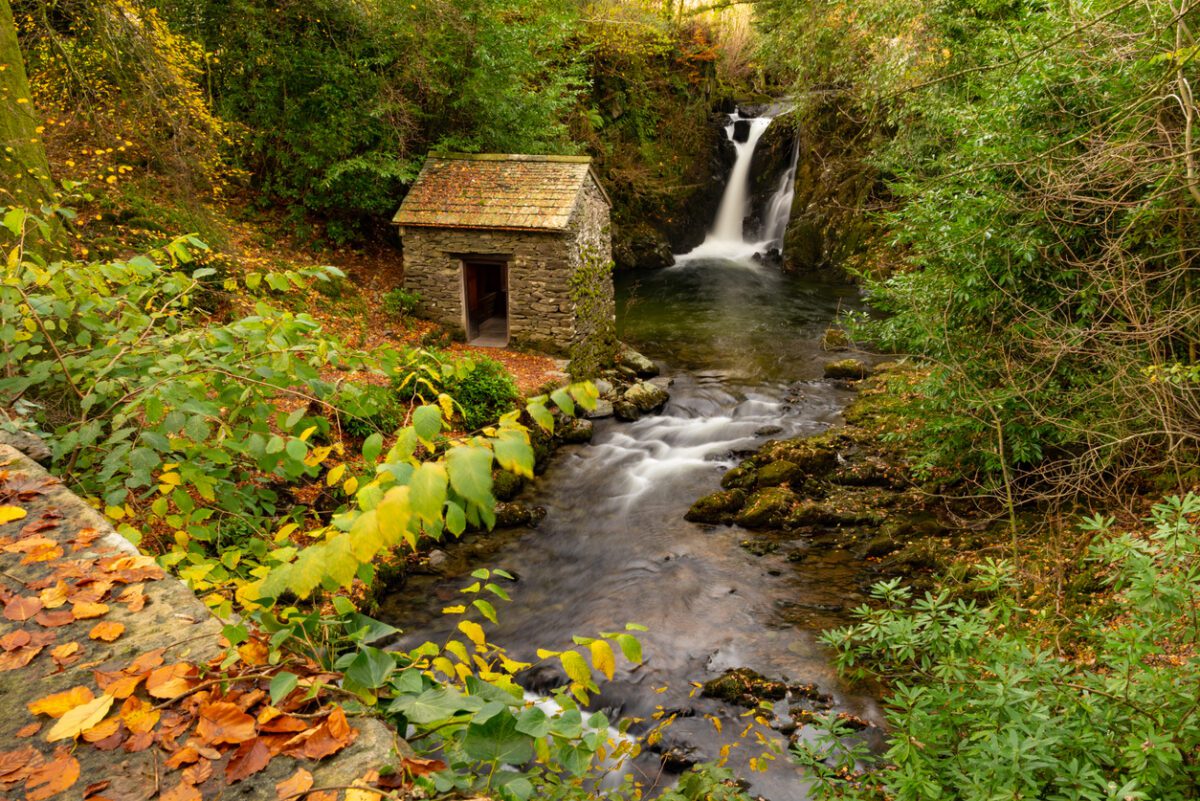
58	704
297	783
170	680
107	631
181	792
11	513
223	722
86	610
22	608
80	719
53	777
250	757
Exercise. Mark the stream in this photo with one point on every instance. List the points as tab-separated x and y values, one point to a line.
741	343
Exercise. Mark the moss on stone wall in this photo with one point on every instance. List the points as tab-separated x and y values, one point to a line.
591	290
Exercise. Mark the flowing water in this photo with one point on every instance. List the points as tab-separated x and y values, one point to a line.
741	343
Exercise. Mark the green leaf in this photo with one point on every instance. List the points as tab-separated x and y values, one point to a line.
427	421
498	741
485	609
562	399
541	415
456	519
281	685
427	491
297	450
371	667
630	647
534	722
514	453
435	705
470	471
372	447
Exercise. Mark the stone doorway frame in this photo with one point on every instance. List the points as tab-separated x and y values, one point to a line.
472	265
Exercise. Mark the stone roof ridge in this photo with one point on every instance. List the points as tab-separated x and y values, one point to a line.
507	191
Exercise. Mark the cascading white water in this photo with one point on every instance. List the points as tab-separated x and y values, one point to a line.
731	215
779	210
727	239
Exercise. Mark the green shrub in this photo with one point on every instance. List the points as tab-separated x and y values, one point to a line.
399	302
484	393
982	705
363	411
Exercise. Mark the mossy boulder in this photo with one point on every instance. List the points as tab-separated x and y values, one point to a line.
640	399
506	485
744	687
744	476
815	456
642	366
575	430
766	508
779	472
846	369
719	507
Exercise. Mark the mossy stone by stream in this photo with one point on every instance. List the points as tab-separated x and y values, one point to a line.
718	507
767	508
744	477
779	472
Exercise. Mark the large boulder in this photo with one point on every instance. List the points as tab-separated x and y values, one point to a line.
779	472
767	508
640	399
814	456
604	408
744	476
575	430
719	507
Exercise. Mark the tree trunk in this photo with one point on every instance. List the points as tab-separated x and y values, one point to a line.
24	171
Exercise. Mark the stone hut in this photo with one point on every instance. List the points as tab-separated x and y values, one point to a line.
511	249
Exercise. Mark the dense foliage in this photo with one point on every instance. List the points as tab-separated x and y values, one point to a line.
1039	203
984	705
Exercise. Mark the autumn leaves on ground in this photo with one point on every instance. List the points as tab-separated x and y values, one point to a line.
116	680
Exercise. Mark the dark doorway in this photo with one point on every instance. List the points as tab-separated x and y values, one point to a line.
485	282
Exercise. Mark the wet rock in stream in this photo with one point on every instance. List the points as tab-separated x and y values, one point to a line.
718	507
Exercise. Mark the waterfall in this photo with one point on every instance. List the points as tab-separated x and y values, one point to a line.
734	205
727	239
779	210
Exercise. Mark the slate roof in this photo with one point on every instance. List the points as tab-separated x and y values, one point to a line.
506	191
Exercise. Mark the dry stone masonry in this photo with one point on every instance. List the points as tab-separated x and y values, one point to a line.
544	218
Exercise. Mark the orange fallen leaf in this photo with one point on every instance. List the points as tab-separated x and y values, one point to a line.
299	782
59	617
139	716
107	630
54	597
22	608
53	777
80	719
29	730
102	730
250	757
14	640
198	773
170	680
181	792
223	722
85	610
254	652
58	704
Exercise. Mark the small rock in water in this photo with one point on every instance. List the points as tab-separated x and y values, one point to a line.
719	507
768	430
575	431
437	558
641	398
639	364
835	339
846	369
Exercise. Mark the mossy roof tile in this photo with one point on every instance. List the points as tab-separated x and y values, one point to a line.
496	191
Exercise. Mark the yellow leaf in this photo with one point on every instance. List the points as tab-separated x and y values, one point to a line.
59	704
308	432
351	486
334	475
11	513
80	719
454	610
474	631
602	657
458	649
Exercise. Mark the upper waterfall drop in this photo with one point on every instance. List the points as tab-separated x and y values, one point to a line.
727	238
